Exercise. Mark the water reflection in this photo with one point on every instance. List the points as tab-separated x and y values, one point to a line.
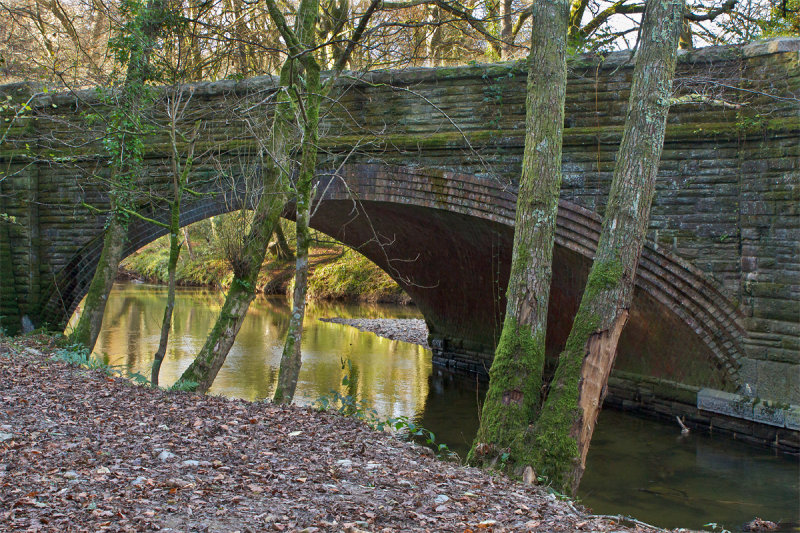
686	481
392	376
635	467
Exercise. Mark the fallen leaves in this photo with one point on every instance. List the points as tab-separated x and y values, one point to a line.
82	452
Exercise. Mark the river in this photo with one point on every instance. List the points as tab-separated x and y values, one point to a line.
635	467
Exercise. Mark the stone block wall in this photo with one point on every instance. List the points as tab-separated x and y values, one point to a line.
726	200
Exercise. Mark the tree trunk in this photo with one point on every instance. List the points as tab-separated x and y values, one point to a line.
564	429
180	178
576	11
686	41
91	319
189	246
291	358
506	28
201	373
166	323
516	375
282	250
149	23
203	370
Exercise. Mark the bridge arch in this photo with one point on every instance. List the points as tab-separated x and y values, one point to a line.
446	238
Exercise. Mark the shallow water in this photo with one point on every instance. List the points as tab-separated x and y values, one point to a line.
635	467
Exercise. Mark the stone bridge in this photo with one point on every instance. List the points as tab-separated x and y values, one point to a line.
418	174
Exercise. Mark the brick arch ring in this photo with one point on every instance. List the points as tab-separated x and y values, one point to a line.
687	292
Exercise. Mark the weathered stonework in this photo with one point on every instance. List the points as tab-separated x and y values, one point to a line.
432	156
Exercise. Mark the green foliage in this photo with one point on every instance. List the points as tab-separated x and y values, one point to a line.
784	20
352	276
184	386
72	355
206	268
348	405
406	426
132	42
77	355
493	95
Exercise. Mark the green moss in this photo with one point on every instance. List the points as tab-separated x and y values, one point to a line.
349	276
513	398
554	449
353	277
439	194
603	276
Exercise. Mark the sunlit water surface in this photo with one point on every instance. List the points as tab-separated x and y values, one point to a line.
635	467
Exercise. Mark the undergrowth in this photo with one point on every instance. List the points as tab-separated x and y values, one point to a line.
348	405
334	275
78	355
352	277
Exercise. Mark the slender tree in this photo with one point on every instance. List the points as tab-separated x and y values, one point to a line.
200	374
134	45
176	101
301	42
297	113
563	431
513	398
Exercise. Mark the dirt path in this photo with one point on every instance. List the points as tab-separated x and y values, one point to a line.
80	451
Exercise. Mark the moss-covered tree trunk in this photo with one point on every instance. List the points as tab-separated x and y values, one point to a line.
282	250
141	37
172	266
564	428
180	179
513	398
91	318
200	375
291	358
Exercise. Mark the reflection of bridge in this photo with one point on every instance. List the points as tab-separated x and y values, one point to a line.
717	292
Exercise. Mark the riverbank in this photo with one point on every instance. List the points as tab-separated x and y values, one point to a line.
336	273
81	451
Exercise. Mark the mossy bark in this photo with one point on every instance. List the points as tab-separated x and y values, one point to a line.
563	431
513	398
172	266
282	250
180	179
143	38
291	358
200	375
91	319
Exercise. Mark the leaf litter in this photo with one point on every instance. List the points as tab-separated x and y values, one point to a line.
82	451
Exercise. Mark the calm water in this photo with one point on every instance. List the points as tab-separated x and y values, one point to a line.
635	467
